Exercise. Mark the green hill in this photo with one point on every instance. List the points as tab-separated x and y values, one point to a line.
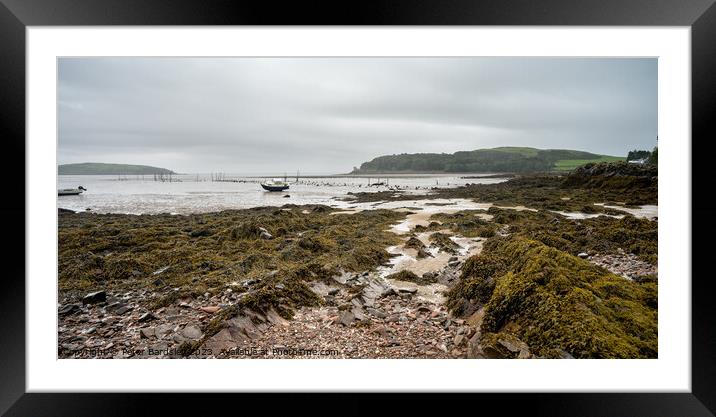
503	159
96	168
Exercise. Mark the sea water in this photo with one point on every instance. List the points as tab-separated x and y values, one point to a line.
197	193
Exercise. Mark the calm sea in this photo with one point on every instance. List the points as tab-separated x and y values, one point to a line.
196	193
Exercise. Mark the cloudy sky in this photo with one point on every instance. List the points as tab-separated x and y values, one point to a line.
326	115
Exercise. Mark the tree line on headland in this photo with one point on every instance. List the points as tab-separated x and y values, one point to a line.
502	159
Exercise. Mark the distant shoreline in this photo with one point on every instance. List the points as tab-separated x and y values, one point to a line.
371	175
99	168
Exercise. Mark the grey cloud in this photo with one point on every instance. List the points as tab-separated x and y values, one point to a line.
329	114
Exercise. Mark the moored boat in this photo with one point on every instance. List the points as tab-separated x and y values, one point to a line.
71	191
275	185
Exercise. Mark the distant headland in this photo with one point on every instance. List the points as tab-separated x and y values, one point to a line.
96	168
502	159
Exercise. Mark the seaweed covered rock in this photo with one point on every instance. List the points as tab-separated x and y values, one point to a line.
596	235
282	292
419	246
247	230
477	281
616	176
414	243
122	252
410	276
443	241
557	302
592	183
467	223
321	209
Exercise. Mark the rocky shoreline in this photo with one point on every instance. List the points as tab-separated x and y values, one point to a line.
363	316
441	278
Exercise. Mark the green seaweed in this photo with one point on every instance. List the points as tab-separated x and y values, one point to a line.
601	234
123	252
557	302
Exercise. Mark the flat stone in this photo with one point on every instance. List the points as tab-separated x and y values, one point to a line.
210	309
381	331
393	318
245	325
475	320
346	318
94	297
146	317
192	331
163	329
146	332
358	313
122	309
274	318
225	340
376	312
68	309
513	345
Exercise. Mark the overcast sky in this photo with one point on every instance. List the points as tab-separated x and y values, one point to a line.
326	115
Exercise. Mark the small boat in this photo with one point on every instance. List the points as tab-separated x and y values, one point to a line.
71	191
275	185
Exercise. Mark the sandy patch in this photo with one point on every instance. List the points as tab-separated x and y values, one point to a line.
645	212
578	215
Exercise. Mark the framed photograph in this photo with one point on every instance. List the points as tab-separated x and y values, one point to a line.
228	198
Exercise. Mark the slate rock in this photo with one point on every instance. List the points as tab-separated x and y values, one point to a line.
95	297
68	309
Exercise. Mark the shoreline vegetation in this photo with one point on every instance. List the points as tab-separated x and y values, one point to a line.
508	275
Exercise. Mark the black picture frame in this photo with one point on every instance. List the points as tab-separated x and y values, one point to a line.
16	15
